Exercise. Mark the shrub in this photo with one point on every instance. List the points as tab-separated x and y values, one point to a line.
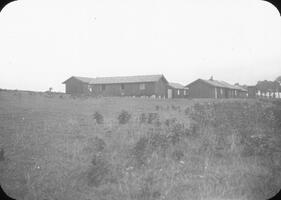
159	142
152	117
98	117
140	151
187	111
124	117
2	157
194	130
143	118
170	121
100	172
174	107
99	144
177	131
157	107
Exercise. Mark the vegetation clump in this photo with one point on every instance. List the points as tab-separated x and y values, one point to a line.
152	117
124	117
2	156
217	149
98	117
100	172
143	118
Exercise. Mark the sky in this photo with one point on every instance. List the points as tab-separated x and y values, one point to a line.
44	42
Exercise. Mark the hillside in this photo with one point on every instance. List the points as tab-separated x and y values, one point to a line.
58	147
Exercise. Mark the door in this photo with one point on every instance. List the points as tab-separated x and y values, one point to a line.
170	93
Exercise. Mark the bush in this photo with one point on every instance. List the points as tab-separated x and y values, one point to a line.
143	118
98	117
2	157
152	117
159	142
140	151
124	117
187	111
169	122
100	172
99	144
157	107
177	131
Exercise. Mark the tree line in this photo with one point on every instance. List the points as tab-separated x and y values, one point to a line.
269	88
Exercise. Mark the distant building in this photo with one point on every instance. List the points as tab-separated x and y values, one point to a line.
215	89
252	91
176	90
146	85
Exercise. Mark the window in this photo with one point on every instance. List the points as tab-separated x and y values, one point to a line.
216	93
142	86
122	86
184	92
102	87
178	92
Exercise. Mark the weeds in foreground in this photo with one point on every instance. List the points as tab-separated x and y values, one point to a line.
124	117
98	117
99	172
224	151
2	156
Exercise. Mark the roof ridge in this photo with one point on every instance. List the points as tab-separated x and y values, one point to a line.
129	76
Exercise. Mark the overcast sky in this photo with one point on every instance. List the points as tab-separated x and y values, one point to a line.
44	42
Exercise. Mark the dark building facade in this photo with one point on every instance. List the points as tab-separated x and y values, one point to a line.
252	91
215	89
176	90
147	85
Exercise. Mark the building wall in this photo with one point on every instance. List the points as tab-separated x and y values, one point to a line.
181	94
242	94
161	88
74	86
228	93
252	90
199	89
129	89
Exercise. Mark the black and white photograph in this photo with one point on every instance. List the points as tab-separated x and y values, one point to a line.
140	99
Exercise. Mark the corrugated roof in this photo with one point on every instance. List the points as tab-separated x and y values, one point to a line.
230	86
126	79
213	83
222	84
84	79
241	88
120	79
177	85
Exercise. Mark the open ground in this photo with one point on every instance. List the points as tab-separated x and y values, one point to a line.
57	146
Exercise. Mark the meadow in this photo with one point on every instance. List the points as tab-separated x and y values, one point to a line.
62	147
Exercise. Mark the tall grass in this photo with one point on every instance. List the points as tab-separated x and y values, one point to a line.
212	150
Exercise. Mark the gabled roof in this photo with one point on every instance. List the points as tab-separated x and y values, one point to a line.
120	79
221	84
242	88
82	79
177	85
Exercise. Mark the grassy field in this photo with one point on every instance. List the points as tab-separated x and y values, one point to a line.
58	147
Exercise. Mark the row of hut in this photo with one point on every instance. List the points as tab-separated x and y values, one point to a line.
155	86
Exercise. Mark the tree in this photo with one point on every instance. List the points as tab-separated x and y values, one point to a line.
278	79
278	85
268	87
